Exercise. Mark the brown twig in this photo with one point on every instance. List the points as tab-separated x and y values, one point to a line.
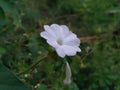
93	38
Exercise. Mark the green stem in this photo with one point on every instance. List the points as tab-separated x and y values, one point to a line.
65	60
33	65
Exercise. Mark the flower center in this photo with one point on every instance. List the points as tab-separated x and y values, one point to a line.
59	41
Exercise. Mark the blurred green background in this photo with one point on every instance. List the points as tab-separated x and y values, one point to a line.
97	24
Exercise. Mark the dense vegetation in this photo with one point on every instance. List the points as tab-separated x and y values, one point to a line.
27	56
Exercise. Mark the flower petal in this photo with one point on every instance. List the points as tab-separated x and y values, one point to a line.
60	52
46	35
70	37
69	50
57	31
49	30
53	43
77	49
55	26
65	30
72	42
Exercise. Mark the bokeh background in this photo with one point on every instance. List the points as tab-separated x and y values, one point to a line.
29	57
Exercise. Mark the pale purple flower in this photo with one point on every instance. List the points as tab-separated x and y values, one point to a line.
64	41
67	80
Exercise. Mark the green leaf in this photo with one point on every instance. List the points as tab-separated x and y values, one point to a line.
2	51
10	10
2	16
8	81
42	87
73	86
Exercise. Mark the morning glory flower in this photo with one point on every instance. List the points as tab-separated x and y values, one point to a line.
61	39
67	80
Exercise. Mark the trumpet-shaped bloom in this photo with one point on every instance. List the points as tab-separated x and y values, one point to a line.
62	39
67	80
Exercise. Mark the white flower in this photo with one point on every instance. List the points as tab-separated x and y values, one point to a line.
67	80
64	41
